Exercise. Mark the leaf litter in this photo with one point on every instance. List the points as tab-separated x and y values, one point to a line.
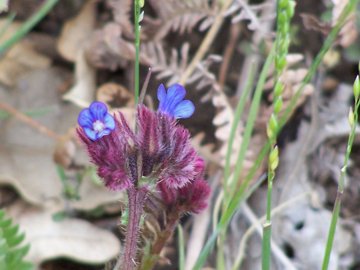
95	51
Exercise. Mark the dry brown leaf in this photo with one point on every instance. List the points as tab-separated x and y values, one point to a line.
115	95
311	22
118	99
242	11
108	49
222	121
348	33
71	238
122	15
77	31
182	16
83	92
20	58
206	151
65	150
291	78
26	155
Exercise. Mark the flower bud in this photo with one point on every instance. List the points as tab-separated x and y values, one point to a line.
272	127
274	158
351	117
278	105
357	87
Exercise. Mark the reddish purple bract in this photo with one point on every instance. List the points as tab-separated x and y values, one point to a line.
160	151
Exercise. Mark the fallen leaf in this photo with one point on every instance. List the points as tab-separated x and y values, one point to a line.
115	95
71	238
83	92
26	155
20	58
76	31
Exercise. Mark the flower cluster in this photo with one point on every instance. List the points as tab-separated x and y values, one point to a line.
159	152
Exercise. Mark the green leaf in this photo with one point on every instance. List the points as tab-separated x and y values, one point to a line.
12	253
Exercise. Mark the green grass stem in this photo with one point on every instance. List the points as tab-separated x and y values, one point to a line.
237	118
246	139
341	185
181	247
28	25
239	194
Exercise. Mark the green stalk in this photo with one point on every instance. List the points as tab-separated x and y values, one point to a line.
239	194
230	186
137	50
181	248
254	108
238	114
28	25
9	19
285	12
353	119
246	139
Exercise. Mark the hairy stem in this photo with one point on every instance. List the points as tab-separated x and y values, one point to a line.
136	203
171	222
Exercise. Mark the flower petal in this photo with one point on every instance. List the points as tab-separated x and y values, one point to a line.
98	110
85	118
103	133
161	93
184	109
175	95
91	134
109	121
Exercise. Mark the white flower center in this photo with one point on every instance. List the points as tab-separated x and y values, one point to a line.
98	126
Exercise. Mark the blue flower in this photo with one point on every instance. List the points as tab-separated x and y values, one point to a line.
172	101
96	121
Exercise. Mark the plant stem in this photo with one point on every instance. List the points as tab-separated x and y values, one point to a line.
137	49
181	247
238	196
29	121
28	25
136	199
340	191
172	219
207	41
266	243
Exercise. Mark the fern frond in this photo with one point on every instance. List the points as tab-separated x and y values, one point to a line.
11	252
241	11
169	68
122	13
206	150
183	15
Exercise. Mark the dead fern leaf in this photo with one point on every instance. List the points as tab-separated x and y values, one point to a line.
242	11
292	78
107	48
223	121
121	12
207	151
348	33
166	67
182	16
171	68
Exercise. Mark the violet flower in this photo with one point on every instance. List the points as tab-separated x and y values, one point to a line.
172	101
96	121
160	150
159	154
